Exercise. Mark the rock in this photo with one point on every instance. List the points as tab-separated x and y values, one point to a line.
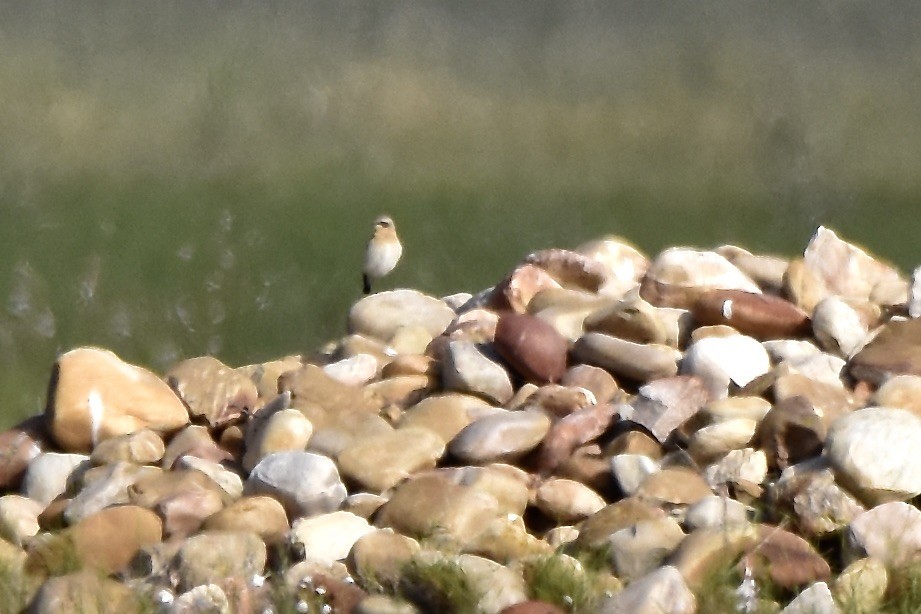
229	481
212	390
533	348
597	528
557	401
111	488
333	431
597	381
572	431
665	404
533	607
262	515
890	532
815	599
265	375
861	586
639	362
305	483
720	360
567	500
630	319
381	315
379	462
444	414
570	269
639	549
761	316
675	486
714	440
634	442
18	447
737	408
401	391
109	539
623	264
739	467
520	286
148	490
677	277
50	474
662	590
212	556
500	437
766	271
310	386
144	447
509	486
895	350
94	396
18	518
278	431
716	512
838	327
914	294
184	512
433	505
828	401
565	309
820	505
193	441
848	271
355	370
204	599
789	560
707	552
380	556
467	369
631	470
384	604
900	391
83	591
327	537
498	587
874	451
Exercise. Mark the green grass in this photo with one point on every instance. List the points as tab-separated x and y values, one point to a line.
188	179
556	580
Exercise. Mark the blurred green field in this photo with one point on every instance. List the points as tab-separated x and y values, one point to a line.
184	178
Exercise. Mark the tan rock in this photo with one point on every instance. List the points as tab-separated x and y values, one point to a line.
355	370
640	548
109	539
678	276
327	537
631	319
500	437
639	362
151	489
787	559
572	431
595	530
265	375
861	586
184	512
379	557
570	269
86	592
18	518
622	263
401	391
766	271
674	485
268	432
144	447
467	369
212	390
896	350
902	391
516	291
193	441
597	381
18	446
444	414
94	396
566	309
262	515
665	404
379	462
381	315
309	385
567	500
212	556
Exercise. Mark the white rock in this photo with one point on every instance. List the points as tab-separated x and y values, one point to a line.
631	470
914	294
230	482
18	518
890	532
49	474
467	369
356	370
714	511
790	350
720	360
204	599
837	327
816	599
328	537
638	549
739	465
876	450
719	438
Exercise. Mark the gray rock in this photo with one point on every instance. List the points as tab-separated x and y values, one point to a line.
305	483
890	532
109	489
661	591
500	437
816	599
714	511
467	369
665	404
637	550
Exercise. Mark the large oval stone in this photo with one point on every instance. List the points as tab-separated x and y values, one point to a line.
381	315
500	436
94	396
639	362
305	483
761	316
532	347
467	369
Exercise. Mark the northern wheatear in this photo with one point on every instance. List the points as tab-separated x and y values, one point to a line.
383	251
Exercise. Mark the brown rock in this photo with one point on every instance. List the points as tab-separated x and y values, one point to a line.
704	552
94	396
109	539
143	447
18	446
86	592
829	401
533	348
193	441
639	362
444	414
789	560
212	556
634	442
379	462
265	375
896	350
631	319
533	607
212	390
401	391
150	490
761	316
570	269
674	485
183	513
791	432
572	431
309	385
558	401
379	558
262	515
598	527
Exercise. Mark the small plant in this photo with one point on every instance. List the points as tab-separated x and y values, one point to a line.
903	595
439	586
563	581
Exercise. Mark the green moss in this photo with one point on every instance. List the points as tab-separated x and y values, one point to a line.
439	586
556	579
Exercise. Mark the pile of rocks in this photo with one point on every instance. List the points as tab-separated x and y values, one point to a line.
702	414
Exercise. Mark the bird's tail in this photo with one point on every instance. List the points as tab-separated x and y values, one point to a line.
366	281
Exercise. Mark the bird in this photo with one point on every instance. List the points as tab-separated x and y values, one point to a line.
382	253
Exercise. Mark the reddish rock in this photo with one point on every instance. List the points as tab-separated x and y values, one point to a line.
18	446
595	379
533	348
789	560
533	607
516	291
183	513
212	390
761	316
